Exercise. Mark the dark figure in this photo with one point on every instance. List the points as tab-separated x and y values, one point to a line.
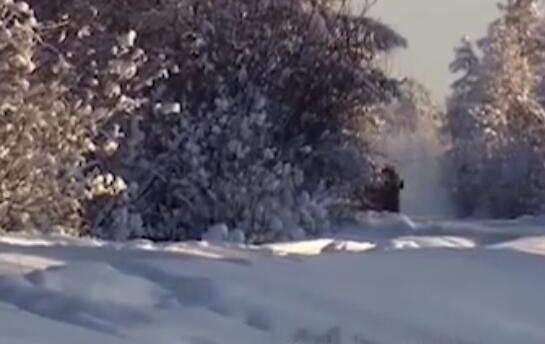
392	185
384	195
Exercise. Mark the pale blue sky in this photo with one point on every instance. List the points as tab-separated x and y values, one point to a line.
433	28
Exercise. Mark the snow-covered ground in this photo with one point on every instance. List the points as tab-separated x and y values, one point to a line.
393	280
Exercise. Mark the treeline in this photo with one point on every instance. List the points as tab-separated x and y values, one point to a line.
495	119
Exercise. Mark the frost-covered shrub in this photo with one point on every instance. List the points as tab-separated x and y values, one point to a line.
256	124
242	114
39	134
61	83
106	72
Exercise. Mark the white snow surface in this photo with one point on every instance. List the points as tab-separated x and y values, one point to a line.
390	280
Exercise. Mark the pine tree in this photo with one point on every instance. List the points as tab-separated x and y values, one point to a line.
464	97
495	119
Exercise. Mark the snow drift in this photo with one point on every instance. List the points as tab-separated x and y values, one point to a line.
394	280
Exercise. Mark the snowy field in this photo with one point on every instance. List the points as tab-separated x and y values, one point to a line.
392	281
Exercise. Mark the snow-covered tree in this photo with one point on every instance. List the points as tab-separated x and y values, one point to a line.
464	127
413	109
464	97
41	136
495	120
62	82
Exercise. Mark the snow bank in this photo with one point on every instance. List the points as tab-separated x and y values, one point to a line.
535	245
414	242
411	284
316	247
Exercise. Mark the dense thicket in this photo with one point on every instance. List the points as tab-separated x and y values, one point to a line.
168	118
